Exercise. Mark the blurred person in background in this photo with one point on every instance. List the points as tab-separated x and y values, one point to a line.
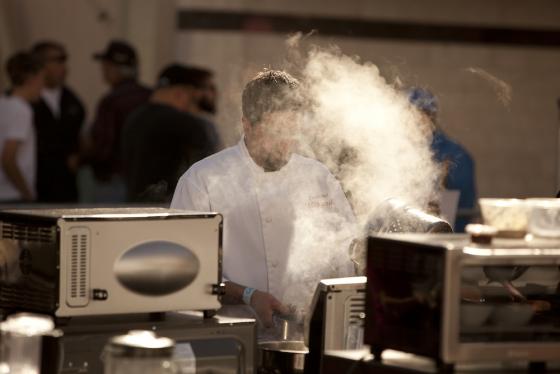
460	168
204	80
119	66
17	133
205	95
58	116
558	107
164	137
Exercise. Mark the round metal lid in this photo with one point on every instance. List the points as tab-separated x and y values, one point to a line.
28	324
140	343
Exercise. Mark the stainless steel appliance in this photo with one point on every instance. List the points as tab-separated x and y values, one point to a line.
393	215
76	262
218	345
336	319
445	297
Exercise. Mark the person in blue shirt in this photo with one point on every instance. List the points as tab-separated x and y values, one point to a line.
459	163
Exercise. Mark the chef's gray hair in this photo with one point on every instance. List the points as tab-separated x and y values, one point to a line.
269	91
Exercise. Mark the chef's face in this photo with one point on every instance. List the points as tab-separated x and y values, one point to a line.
274	138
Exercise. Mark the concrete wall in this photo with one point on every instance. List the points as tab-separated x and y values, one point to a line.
85	27
515	145
79	25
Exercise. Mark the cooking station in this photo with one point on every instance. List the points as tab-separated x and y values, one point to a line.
362	362
432	302
217	345
103	272
445	302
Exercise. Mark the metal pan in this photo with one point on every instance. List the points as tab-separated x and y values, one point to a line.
282	357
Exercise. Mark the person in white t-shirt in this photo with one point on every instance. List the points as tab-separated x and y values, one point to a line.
17	134
278	207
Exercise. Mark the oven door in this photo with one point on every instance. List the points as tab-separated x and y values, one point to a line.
502	309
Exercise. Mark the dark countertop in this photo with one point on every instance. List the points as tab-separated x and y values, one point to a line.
361	362
153	321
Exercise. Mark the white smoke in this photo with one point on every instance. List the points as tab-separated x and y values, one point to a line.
375	143
318	250
502	89
368	134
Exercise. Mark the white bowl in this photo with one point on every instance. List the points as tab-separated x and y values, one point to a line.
474	315
505	214
541	275
544	217
511	315
472	274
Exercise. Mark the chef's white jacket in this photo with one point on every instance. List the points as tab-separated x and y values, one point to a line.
283	230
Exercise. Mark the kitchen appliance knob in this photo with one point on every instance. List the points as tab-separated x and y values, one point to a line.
219	289
100	294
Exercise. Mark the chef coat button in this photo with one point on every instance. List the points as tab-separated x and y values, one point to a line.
274	265
268	220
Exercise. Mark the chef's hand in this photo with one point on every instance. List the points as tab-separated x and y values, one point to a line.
264	304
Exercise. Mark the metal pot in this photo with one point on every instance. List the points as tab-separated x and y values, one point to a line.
393	215
282	357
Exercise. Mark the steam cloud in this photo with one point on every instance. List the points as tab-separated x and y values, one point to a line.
502	89
366	132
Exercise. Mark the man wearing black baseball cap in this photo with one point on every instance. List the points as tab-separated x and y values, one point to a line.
119	65
118	52
163	138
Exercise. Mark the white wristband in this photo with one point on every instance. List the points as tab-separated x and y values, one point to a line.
247	294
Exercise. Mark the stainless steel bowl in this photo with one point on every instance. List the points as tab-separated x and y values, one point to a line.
282	357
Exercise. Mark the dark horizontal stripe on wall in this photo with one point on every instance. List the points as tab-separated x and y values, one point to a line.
357	28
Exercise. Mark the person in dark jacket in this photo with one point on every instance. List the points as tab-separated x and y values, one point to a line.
164	137
203	100
119	65
58	117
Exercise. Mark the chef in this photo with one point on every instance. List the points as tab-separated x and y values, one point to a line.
272	200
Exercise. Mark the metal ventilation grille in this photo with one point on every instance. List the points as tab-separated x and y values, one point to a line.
78	267
28	232
354	309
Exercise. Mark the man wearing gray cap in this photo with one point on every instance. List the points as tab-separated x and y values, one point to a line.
119	65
